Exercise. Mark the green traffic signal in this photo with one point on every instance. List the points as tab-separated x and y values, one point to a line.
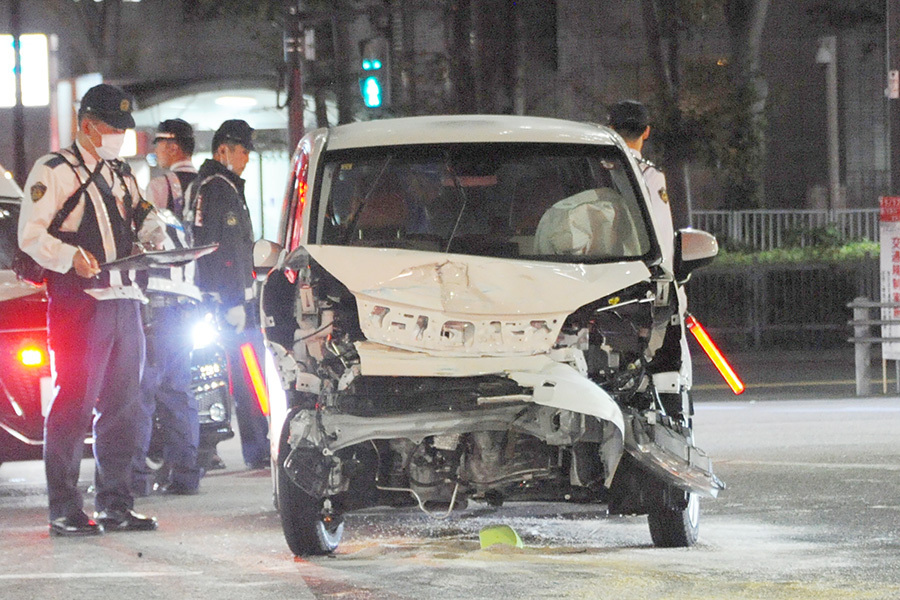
372	91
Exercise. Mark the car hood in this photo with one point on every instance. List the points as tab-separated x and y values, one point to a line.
462	305
11	287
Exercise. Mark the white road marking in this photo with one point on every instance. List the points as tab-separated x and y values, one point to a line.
776	463
110	575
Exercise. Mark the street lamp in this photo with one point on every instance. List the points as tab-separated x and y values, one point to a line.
827	55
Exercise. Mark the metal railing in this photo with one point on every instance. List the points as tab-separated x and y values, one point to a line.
768	229
787	305
863	341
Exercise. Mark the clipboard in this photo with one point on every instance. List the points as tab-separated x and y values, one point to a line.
158	258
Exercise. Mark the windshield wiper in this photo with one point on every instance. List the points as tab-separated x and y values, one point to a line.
461	193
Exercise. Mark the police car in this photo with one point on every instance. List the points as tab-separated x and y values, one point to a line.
26	384
476	308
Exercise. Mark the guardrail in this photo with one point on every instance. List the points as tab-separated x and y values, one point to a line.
768	229
863	340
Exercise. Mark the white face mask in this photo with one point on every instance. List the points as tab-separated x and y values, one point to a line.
228	164
110	145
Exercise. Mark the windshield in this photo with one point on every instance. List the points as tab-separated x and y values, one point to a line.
9	218
534	201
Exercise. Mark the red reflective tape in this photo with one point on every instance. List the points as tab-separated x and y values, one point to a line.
258	384
715	355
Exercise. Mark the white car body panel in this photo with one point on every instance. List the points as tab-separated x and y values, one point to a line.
460	305
11	287
467	128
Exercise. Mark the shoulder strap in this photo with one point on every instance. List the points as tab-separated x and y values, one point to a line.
72	201
176	194
193	192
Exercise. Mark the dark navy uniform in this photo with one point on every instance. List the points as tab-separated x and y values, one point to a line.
219	214
169	316
95	331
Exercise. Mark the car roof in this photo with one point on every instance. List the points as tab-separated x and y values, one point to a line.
9	189
467	129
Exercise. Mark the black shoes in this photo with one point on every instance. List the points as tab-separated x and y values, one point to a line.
75	525
80	524
263	463
177	490
211	462
125	520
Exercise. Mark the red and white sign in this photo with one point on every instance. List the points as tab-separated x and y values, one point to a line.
890	272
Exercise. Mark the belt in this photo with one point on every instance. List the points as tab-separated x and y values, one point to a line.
165	300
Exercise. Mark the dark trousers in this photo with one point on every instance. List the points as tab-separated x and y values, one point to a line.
253	425
166	393
98	352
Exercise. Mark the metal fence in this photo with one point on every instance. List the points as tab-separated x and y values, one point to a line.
789	305
768	229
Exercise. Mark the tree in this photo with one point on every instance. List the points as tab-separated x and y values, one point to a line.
710	109
746	158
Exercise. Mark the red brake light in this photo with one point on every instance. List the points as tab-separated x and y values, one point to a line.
301	176
32	356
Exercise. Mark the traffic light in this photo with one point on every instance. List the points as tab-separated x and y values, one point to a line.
374	83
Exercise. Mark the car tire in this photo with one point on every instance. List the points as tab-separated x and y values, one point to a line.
306	531
675	527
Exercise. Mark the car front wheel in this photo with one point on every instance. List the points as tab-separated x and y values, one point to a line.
675	527
310	525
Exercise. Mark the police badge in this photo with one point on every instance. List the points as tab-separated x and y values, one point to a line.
37	191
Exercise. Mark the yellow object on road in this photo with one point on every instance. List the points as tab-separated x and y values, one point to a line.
499	534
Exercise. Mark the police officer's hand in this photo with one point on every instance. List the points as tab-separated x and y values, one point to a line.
85	264
236	317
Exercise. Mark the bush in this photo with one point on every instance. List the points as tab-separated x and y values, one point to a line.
806	254
820	244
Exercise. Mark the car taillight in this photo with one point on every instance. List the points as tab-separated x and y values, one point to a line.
301	176
32	356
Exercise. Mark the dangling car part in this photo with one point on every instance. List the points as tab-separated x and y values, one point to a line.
477	308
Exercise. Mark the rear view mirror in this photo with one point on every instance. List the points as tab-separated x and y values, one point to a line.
693	249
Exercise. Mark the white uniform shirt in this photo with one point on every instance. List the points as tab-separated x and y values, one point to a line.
659	203
46	190
158	188
175	280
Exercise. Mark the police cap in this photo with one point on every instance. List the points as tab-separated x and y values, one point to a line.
110	104
629	116
235	131
178	130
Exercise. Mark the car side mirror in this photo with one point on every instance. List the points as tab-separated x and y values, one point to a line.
693	249
265	256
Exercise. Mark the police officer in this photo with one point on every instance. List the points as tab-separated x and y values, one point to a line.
174	147
83	211
172	310
631	120
218	213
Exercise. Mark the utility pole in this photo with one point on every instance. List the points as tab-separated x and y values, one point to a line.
892	61
293	57
20	166
827	55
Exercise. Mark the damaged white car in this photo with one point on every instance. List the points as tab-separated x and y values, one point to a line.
477	308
